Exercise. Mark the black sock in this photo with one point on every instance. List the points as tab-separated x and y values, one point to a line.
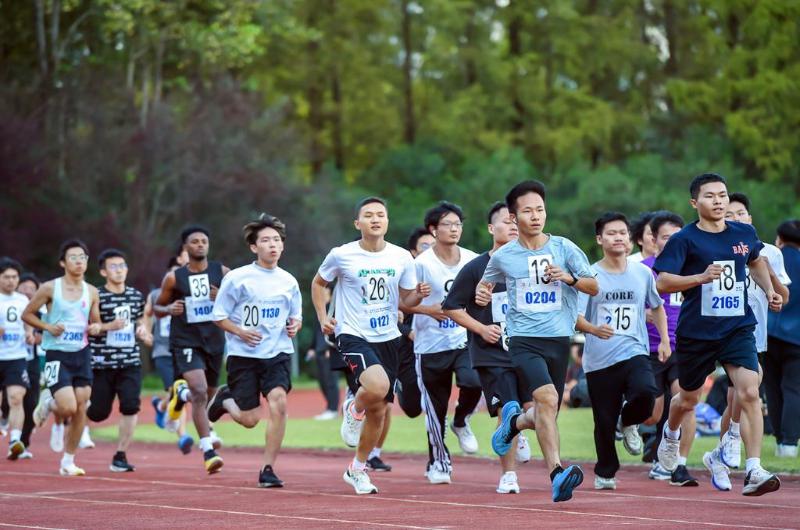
514	431
120	454
558	469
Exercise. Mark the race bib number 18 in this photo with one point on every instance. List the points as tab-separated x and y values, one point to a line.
724	297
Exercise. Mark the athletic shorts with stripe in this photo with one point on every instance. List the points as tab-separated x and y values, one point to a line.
359	355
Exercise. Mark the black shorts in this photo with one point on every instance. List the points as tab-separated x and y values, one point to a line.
62	369
166	370
664	373
248	377
500	385
124	383
188	359
540	361
359	355
698	358
14	373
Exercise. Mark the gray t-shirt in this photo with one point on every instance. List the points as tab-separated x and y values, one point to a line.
160	330
621	304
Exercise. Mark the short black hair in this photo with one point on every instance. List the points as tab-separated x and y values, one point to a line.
10	263
29	277
609	217
496	207
700	180
742	198
637	227
70	244
789	231
365	201
435	214
523	188
109	253
665	217
413	237
251	229
193	229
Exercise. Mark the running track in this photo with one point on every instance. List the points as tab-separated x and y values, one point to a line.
169	490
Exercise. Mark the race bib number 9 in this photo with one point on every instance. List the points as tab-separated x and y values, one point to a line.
621	317
537	293
724	297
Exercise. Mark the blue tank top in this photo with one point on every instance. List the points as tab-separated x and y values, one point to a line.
73	315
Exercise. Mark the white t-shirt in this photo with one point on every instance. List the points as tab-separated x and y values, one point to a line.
259	299
430	335
12	342
366	299
636	258
756	296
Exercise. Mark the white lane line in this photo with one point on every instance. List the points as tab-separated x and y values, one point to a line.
11	525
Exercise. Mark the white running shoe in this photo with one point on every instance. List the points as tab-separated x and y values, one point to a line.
760	481
786	451
216	441
720	475
86	440
631	440
657	472
360	482
668	451
730	450
57	437
26	455
42	410
601	483
523	449
172	425
466	438
437	476
326	415
351	427
508	483
71	471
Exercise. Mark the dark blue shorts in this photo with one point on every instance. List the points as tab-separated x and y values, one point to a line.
698	358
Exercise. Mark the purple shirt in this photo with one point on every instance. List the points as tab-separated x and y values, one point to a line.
672	305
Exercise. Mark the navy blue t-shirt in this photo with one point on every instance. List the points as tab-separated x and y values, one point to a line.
717	309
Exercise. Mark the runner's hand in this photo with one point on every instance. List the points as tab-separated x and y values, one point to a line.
483	294
664	351
95	329
491	333
713	272
250	337
775	301
555	273
603	332
435	311
176	308
292	327
115	324
424	289
213	292
56	330
328	326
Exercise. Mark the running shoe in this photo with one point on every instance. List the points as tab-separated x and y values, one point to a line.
523	449
681	477
172	425
15	449
185	443
268	479
86	440
326	415
438	476
212	461
668	451
160	414
42	410
759	481
57	437
730	450
657	472
786	451
376	464
601	483
508	483
215	410
360	482
466	438
502	439
3	426
351	426
26	455
565	482
175	405
631	439
720	475
119	464
71	471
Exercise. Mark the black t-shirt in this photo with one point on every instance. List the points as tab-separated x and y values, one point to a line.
462	296
118	349
194	328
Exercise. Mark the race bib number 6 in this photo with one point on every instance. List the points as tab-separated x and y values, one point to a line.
724	297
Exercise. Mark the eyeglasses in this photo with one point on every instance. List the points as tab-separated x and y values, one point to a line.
117	267
78	258
448	225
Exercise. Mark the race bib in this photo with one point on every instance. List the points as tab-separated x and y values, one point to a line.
122	338
537	294
499	307
199	305
375	291
263	314
74	336
164	326
675	299
724	297
621	317
377	319
50	374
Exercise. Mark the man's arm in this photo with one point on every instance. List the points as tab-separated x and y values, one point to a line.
30	315
601	332
660	321
166	303
490	333
673	283
326	323
759	272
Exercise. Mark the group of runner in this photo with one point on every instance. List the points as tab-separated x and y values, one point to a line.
409	322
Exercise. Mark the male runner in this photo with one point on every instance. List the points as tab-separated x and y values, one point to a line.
615	357
706	261
543	274
116	361
14	380
440	344
642	235
72	314
260	308
488	344
196	343
373	276
28	284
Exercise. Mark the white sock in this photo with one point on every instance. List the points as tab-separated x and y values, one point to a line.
50	405
357	465
67	460
734	429
205	444
375	453
672	435
681	460
185	395
15	435
752	463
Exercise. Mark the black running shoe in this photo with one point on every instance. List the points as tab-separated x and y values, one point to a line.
119	464
681	477
376	464
268	479
215	410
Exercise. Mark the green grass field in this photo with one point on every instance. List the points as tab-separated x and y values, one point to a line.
408	436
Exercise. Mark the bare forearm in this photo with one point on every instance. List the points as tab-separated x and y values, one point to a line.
463	319
660	321
673	283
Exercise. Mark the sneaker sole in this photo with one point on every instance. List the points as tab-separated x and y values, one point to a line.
68	474
707	463
437	482
629	450
270	484
349	481
214	465
498	446
507	492
175	405
117	469
768	486
685	484
573	480
15	451
379	469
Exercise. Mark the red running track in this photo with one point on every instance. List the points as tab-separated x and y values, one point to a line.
169	490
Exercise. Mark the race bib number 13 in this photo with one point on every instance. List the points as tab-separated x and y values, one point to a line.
537	293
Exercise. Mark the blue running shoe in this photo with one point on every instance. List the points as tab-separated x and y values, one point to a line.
185	444
160	415
501	441
565	482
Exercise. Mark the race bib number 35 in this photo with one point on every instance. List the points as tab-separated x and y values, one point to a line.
724	297
199	305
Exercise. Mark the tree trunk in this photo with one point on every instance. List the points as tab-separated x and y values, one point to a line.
409	124
515	51
336	118
314	94
41	39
